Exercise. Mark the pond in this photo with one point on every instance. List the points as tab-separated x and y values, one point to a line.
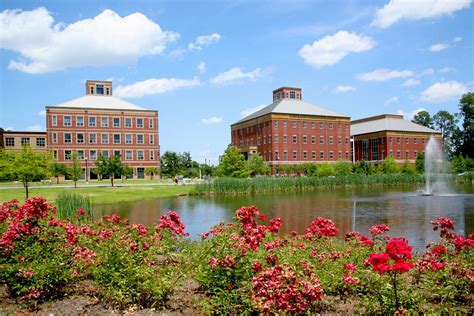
402	209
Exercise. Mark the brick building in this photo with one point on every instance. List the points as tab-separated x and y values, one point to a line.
99	123
377	137
11	140
291	132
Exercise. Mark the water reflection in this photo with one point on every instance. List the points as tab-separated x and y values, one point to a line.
406	213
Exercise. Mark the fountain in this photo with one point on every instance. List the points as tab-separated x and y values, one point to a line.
435	168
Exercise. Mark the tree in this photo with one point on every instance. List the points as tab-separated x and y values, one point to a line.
420	163
466	114
28	166
110	167
445	122
152	171
423	118
257	166
6	160
75	170
171	164
343	168
58	169
232	163
389	166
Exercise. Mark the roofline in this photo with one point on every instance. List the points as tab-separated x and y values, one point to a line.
377	117
47	107
240	122
104	81
396	130
286	88
25	132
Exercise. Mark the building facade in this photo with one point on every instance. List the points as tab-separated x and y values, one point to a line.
11	140
380	136
292	132
101	124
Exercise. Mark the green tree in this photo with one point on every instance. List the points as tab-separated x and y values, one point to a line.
28	166
75	169
6	161
466	114
407	168
423	118
257	166
58	169
389	166
233	163
364	167
420	163
111	167
152	171
445	122
325	170
171	164
343	168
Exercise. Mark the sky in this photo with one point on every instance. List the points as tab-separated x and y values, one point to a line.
206	64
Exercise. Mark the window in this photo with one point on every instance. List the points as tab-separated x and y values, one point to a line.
375	149
285	139
128	138
139	138
117	153
107	91
67	138
9	141
330	139
116	138
67	155
285	156
293	124
275	123
292	94
93	138
55	154
347	155
284	124
398	140
80	154
152	155
270	140
390	140
92	90
140	155
277	156
54	120
104	121
339	140
128	155
399	154
40	142
407	140
116	121
276	139
305	155
321	139
304	124
91	121
347	127
415	141
139	122
80	138
313	140
407	155
313	125
294	154
365	149
128	122
305	139
331	155
330	125
294	139
423	140
321	125
338	125
93	154
151	123
100	89
79	120
152	139
339	155
321	155
67	121
313	155
104	138
55	137
347	140
105	154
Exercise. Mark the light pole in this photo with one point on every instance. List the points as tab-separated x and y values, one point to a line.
87	177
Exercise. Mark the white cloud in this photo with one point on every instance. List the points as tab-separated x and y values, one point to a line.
201	67
249	111
411	115
438	47
457	39
42	113
211	120
236	74
384	74
411	82
443	92
445	69
397	10
342	89
331	49
34	128
427	72
390	101
154	86
204	40
9	128
102	40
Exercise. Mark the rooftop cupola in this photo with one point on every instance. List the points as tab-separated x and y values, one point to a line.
287	93
98	87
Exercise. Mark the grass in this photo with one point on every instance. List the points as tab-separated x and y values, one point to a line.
101	195
68	203
300	184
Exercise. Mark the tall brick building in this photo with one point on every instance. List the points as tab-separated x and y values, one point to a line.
377	137
291	132
99	123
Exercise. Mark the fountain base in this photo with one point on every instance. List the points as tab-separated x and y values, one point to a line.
425	194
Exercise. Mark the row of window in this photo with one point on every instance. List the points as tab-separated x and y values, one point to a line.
294	124
375	154
291	95
104	121
93	154
314	155
104	138
10	141
294	140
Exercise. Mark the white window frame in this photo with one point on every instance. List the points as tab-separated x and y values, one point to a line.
125	123
77	138
54	137
70	120
54	120
90	138
128	140
89	121
142	154
119	140
113	121
102	138
70	138
102	121
138	139
127	157
77	120
142	124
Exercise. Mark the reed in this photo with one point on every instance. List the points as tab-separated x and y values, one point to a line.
67	205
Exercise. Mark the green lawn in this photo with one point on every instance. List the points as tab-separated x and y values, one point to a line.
102	195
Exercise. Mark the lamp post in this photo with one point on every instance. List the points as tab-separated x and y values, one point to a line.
87	177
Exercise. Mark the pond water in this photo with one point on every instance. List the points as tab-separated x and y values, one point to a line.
402	209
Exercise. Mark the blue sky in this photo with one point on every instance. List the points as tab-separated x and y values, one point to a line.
203	64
